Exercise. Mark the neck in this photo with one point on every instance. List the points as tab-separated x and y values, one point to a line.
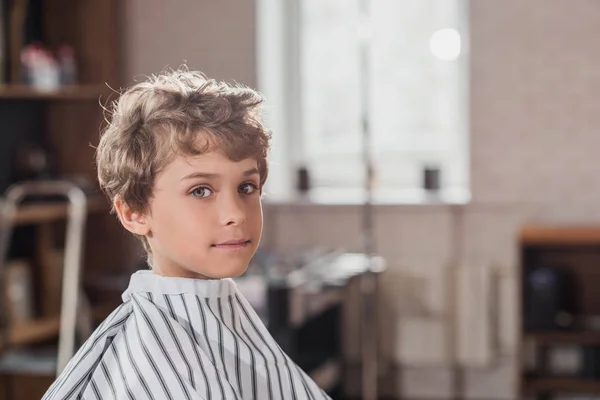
176	272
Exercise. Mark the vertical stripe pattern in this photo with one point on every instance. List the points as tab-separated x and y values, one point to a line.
176	338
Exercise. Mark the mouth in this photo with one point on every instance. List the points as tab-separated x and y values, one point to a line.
232	244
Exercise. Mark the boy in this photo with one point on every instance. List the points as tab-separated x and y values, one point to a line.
183	161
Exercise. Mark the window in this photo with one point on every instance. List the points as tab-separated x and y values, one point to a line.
416	83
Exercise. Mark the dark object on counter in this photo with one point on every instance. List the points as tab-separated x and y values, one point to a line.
303	182
431	178
548	299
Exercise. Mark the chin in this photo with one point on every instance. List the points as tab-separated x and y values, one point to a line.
230	271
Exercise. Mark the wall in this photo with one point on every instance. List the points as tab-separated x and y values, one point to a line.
216	37
534	118
534	145
534	111
422	245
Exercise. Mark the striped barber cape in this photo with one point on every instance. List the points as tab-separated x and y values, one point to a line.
179	338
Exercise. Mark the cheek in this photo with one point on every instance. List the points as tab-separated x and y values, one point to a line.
254	210
256	218
195	218
185	233
181	216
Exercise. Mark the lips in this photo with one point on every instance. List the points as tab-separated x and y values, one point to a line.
232	244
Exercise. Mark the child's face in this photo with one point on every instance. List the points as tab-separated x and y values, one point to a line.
205	218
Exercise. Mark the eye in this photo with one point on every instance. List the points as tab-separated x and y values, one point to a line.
248	188
201	192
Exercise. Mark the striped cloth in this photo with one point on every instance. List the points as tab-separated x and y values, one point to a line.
178	338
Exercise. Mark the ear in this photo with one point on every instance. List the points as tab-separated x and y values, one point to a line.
134	221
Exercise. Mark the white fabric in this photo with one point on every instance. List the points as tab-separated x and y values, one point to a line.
179	338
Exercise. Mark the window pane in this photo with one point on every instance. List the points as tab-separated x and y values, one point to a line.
417	107
330	76
414	103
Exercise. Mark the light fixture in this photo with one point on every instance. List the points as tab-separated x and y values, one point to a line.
445	44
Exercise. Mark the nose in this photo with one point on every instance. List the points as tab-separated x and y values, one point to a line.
231	210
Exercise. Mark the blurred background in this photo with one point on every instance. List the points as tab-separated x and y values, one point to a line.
432	215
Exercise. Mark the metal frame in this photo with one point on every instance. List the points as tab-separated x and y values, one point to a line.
76	222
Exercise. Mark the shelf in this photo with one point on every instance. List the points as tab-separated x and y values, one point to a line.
40	213
572	338
39	330
562	385
76	92
560	235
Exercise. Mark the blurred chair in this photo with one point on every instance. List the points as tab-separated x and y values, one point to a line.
20	350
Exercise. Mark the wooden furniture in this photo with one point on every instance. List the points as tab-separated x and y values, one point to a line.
74	92
66	122
575	250
51	212
307	327
304	309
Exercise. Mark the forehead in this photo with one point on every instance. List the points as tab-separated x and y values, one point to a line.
213	162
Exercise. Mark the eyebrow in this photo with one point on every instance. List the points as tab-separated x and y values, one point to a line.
206	175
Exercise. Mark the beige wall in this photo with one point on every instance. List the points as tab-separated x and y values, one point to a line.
534	146
535	108
216	37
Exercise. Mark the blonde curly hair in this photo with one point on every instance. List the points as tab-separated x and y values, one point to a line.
155	120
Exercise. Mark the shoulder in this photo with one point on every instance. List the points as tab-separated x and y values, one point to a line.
74	377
